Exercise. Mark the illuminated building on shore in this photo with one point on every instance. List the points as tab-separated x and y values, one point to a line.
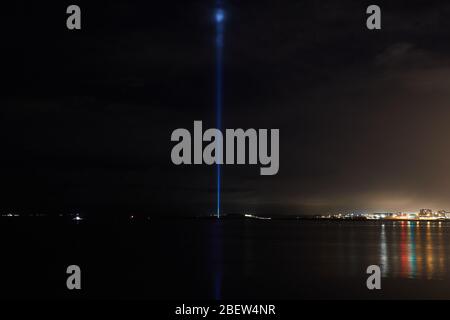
425	213
444	214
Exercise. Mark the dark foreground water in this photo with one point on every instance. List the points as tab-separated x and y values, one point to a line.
228	259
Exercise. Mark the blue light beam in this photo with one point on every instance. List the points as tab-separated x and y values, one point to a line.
219	16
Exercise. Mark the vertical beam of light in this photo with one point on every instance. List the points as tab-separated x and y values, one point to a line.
219	16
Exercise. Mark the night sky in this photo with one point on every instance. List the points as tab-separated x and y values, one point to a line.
364	116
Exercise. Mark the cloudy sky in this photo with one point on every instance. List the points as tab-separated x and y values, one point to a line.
363	115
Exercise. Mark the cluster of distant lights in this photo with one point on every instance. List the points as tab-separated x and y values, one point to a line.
251	216
75	217
429	216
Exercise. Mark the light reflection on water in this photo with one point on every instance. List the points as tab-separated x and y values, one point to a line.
413	249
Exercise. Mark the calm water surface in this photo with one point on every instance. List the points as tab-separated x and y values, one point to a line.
227	259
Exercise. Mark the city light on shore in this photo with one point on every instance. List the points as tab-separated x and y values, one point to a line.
422	214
